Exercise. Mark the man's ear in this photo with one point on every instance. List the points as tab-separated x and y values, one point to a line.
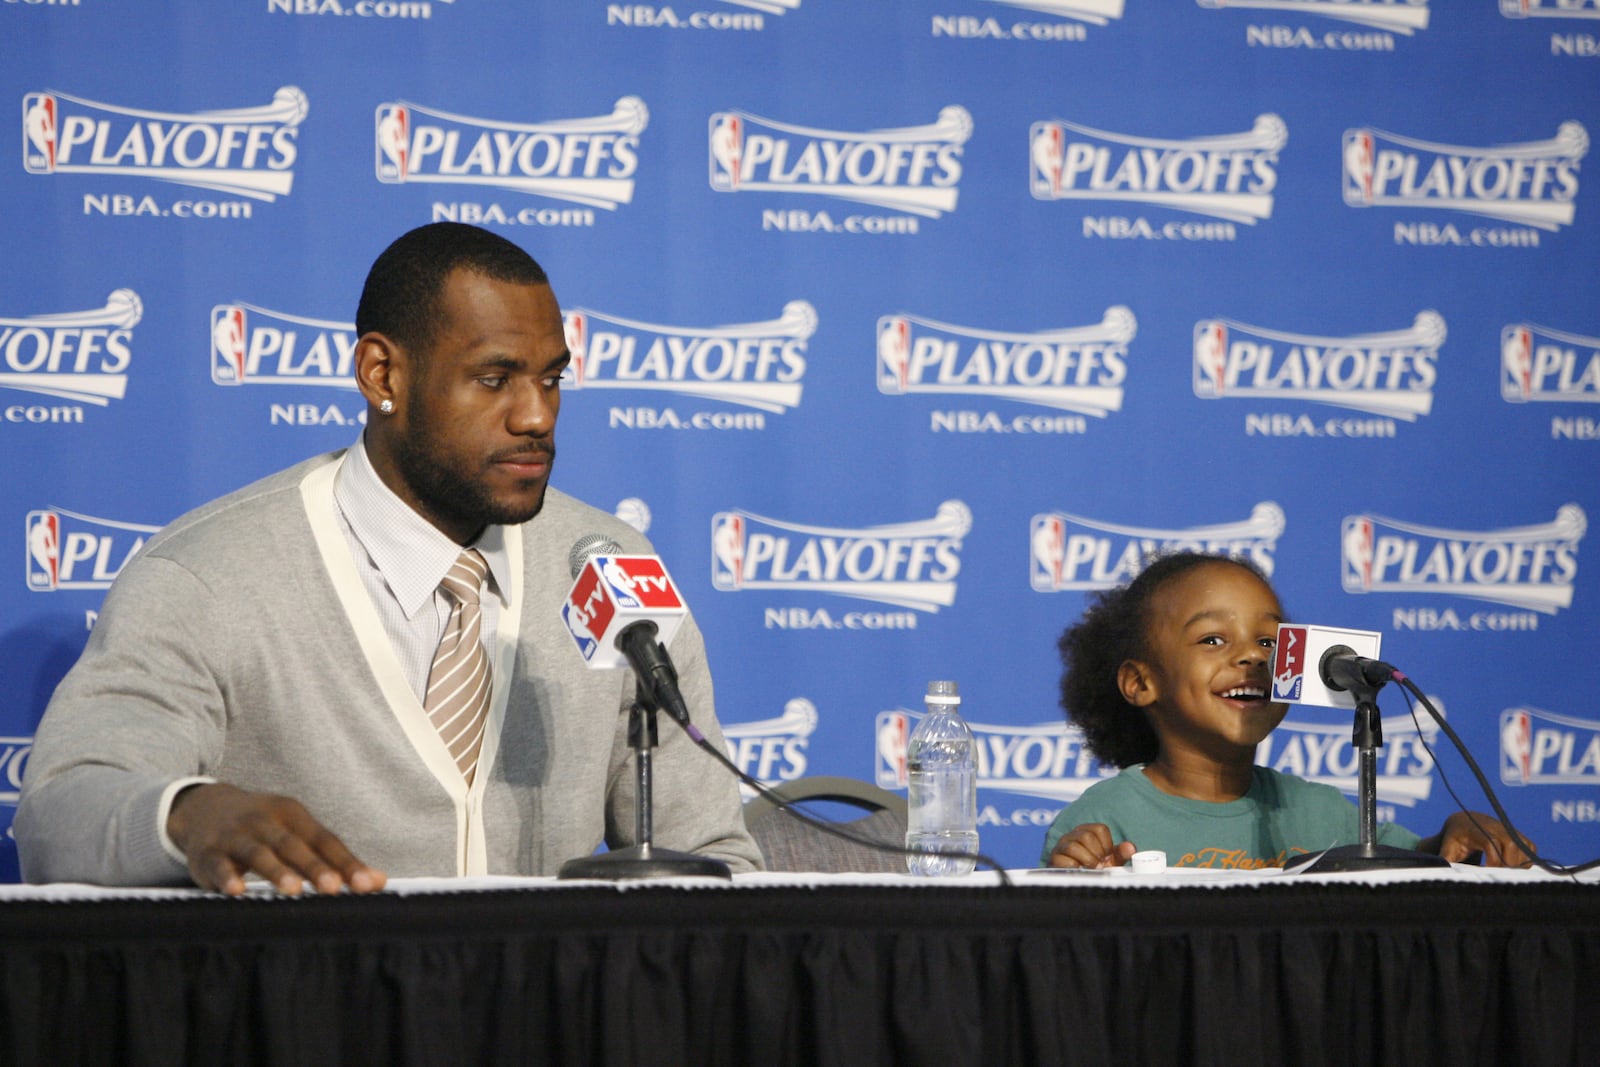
1137	683
380	368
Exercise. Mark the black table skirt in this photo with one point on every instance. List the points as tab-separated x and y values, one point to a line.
1416	973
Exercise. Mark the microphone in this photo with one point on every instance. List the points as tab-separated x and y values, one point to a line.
621	611
1318	665
1347	674
1341	669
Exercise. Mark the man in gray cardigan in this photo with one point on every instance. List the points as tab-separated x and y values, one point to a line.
251	700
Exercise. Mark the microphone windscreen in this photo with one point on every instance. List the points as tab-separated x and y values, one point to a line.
590	545
1326	664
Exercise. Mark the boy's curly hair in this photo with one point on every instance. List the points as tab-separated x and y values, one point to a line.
1114	629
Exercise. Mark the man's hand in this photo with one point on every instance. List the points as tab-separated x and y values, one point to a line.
227	833
1090	845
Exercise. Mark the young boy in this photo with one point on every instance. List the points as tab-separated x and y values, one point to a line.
1168	678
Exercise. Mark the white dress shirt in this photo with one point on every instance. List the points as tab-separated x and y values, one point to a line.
402	558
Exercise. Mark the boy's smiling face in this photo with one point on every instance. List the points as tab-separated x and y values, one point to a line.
1206	676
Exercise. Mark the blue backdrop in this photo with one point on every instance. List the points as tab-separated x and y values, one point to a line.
900	326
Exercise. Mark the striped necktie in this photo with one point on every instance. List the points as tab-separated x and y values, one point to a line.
459	681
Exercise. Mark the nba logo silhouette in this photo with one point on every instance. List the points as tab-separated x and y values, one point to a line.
577	331
894	730
39	130
727	551
1289	663
1211	355
228	333
394	142
44	550
727	150
1049	544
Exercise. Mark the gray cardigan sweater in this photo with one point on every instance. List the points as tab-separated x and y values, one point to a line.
240	645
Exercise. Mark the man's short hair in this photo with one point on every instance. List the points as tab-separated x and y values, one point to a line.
401	297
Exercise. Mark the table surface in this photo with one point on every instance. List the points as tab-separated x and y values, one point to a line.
1031	878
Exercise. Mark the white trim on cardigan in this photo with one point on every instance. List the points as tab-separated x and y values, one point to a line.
316	492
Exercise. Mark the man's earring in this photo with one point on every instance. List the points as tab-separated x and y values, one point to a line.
387	407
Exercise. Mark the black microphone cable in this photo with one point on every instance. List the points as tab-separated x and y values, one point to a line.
1410	689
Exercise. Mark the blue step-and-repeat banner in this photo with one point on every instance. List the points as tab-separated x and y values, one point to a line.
899	325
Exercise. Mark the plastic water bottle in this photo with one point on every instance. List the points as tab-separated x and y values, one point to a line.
942	768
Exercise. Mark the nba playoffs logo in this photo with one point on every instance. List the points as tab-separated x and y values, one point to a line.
66	550
772	750
1074	369
1541	364
1069	552
911	564
1390	373
1227	176
1398	16
914	169
1531	567
1046	760
756	364
589	161
254	346
1532	184
1542	748
244	151
80	355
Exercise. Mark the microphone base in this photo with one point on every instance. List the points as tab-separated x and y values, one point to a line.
1362	858
644	861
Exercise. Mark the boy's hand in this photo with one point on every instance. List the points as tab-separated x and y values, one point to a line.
1460	840
1090	845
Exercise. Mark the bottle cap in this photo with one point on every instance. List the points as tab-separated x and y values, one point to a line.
943	692
1151	862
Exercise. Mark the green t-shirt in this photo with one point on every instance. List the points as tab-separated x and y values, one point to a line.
1278	818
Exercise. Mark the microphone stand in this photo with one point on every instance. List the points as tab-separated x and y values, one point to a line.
1367	855
643	860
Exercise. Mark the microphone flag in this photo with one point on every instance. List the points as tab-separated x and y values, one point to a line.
1296	677
613	592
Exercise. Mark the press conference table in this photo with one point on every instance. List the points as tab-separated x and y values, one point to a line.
1459	966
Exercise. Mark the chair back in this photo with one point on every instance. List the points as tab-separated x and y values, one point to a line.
790	844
